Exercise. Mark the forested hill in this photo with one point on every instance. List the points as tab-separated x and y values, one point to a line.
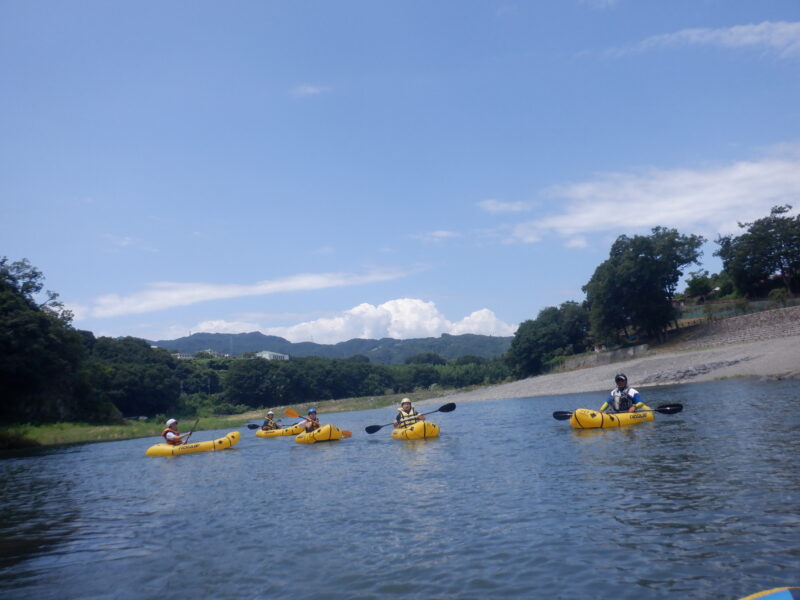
385	351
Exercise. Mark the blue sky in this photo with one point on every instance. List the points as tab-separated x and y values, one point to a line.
327	170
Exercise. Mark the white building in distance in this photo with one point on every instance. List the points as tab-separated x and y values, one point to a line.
267	355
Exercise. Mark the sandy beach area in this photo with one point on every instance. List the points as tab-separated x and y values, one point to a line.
777	358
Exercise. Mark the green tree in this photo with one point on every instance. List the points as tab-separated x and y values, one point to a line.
41	355
137	379
635	286
426	358
555	332
770	246
698	284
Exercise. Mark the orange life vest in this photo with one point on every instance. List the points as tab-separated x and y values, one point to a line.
171	442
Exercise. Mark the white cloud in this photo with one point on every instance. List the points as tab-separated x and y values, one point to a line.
777	36
165	294
403	318
305	90
498	206
435	237
124	241
222	326
707	201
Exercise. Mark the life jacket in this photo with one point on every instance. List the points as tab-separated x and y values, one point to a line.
622	399
171	442
407	419
269	424
312	424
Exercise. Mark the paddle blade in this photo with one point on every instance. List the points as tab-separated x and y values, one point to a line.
290	412
346	433
450	407
669	409
253	426
373	428
562	415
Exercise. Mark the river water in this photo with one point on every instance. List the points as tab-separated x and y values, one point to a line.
507	503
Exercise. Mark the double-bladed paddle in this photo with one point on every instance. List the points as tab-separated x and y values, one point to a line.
257	426
664	409
449	407
292	413
191	431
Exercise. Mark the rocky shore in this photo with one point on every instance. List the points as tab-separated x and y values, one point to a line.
777	357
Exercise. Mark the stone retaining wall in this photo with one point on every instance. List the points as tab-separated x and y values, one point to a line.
769	324
765	325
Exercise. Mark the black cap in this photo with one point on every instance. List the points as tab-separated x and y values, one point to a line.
620	377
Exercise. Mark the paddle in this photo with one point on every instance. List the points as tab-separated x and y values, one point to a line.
191	431
664	409
256	426
449	407
290	412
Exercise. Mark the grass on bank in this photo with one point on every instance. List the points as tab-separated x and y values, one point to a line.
56	434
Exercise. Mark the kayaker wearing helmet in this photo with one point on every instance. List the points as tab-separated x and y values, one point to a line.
312	422
622	398
269	422
171	435
406	415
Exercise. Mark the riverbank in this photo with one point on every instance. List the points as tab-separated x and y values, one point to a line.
777	358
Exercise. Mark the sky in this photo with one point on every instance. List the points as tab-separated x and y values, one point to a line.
325	170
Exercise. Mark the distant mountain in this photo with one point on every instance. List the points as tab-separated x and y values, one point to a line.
386	350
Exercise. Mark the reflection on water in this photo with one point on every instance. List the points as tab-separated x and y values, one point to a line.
508	503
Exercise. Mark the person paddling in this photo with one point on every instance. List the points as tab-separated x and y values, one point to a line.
311	421
270	424
622	398
171	434
406	415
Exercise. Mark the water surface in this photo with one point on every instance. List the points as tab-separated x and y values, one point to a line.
508	503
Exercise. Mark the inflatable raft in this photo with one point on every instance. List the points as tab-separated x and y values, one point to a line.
782	593
326	433
293	430
420	430
584	418
210	446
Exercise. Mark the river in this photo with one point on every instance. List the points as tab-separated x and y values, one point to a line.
507	503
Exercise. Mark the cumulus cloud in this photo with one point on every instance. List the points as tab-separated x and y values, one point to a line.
709	201
402	318
165	294
780	37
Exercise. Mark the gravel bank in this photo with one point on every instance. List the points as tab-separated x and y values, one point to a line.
769	359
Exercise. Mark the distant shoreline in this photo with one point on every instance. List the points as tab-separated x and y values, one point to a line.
777	358
771	359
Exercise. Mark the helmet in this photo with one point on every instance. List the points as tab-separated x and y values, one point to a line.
171	422
269	412
312	410
404	400
620	377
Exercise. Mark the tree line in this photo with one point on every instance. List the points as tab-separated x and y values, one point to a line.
50	371
633	292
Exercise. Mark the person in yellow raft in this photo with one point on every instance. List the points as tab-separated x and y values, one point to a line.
406	415
622	398
270	423
171	434
311	421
